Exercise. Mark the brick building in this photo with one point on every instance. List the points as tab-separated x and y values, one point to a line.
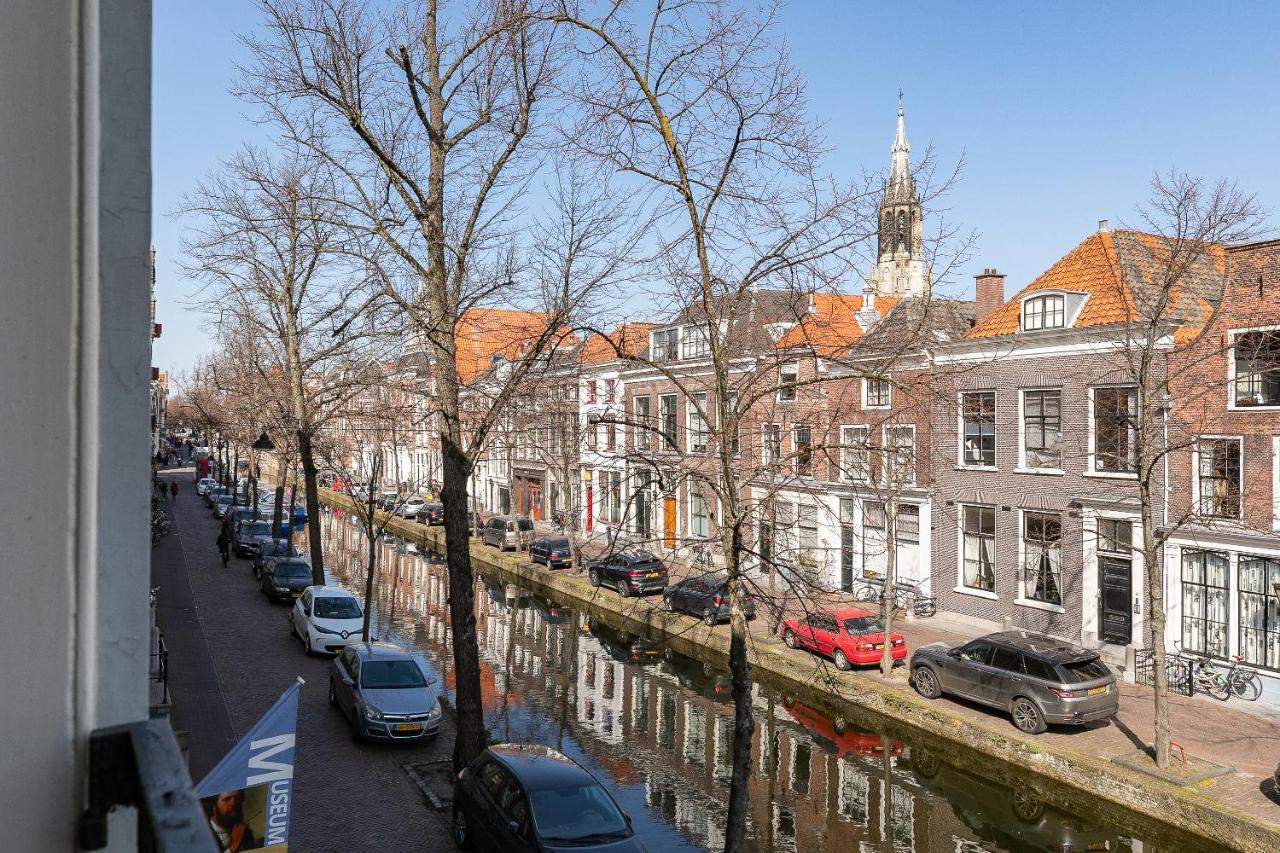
1223	552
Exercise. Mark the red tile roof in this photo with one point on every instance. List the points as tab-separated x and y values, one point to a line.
482	333
831	326
1121	274
626	338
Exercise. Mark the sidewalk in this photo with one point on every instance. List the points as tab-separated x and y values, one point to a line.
230	657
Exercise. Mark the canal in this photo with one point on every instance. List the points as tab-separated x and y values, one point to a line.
656	727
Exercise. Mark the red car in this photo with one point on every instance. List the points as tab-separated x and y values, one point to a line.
847	636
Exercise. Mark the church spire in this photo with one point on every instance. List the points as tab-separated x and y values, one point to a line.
900	269
900	167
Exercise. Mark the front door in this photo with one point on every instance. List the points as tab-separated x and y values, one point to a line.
669	521
1115	580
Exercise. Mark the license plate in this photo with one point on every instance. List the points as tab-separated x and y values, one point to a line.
408	727
296	594
1094	691
652	574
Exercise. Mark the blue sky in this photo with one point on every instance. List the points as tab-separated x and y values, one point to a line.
1062	112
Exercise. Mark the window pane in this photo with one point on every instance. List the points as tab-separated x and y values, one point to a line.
1042	428
978	412
1204	602
979	548
1042	557
1115	426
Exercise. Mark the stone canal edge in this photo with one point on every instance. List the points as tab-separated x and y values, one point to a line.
1160	803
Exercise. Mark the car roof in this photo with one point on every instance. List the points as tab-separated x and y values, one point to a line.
1041	645
634	554
329	592
380	651
540	767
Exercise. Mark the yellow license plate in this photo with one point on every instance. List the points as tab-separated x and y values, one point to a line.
408	727
653	574
296	594
1094	691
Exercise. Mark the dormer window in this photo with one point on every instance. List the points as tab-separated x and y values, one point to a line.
1044	312
666	345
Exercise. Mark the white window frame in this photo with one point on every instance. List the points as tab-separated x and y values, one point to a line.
695	343
847	449
995	568
787	387
669	354
766	456
669	443
1231	369
693	419
866	386
642	438
697	493
1023	599
1042	299
1195	475
1023	468
1092	469
961	462
795	449
889	454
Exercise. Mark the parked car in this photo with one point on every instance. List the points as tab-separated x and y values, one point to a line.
431	513
1040	681
411	507
705	596
629	571
387	501
213	493
531	798
221	505
272	549
249	536
625	647
847	635
384	693
552	551
507	532
326	619
204	485
242	513
284	579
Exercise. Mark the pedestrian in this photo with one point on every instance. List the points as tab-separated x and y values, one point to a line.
173	489
224	546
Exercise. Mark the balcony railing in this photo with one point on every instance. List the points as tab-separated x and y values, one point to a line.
139	765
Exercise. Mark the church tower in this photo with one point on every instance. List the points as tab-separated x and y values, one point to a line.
899	269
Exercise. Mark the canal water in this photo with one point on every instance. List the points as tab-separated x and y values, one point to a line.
656	727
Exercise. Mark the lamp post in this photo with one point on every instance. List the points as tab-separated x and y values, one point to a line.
264	442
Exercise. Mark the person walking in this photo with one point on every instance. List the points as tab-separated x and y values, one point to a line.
173	490
224	546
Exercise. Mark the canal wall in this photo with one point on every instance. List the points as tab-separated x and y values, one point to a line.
1150	807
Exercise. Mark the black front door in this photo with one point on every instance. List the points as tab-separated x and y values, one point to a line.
1116	612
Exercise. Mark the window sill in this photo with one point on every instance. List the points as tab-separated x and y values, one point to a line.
976	593
1110	475
1039	605
877	408
1050	472
1232	407
987	468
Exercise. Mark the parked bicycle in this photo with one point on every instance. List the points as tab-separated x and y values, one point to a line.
905	594
1207	677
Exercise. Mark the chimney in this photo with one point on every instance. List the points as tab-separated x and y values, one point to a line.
988	293
1104	225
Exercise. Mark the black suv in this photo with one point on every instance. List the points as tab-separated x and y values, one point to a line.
629	571
525	797
552	551
705	596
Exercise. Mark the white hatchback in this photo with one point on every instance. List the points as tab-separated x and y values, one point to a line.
203	486
326	619
412	507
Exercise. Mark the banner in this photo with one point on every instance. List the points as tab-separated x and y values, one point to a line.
248	796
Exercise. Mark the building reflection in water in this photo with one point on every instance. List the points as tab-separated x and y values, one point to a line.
658	727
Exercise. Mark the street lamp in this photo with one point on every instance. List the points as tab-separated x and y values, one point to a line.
264	442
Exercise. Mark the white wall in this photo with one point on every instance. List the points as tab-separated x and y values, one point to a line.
75	370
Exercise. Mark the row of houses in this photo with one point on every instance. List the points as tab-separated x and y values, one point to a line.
996	450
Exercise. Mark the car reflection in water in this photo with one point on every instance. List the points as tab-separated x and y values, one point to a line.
657	729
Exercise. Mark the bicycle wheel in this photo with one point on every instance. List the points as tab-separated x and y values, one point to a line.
1215	684
865	592
1246	685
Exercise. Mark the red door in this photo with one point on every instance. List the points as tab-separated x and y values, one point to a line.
590	510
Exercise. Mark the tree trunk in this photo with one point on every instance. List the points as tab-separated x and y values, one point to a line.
890	576
744	722
470	738
1153	569
281	475
371	539
293	501
307	455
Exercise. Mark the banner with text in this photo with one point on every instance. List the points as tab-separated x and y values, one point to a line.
248	796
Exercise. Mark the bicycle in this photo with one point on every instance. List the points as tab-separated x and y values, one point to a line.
1242	681
904	594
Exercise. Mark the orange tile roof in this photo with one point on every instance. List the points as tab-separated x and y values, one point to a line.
1114	269
627	338
482	333
831	327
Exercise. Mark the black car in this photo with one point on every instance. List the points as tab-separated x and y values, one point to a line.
285	579
705	596
552	551
273	549
629	571
249	536
432	513
525	797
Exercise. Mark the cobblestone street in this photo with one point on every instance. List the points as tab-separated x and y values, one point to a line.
230	658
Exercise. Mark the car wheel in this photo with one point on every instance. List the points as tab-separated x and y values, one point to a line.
1027	717
709	616
461	832
357	734
293	629
306	643
840	660
333	694
926	683
623	589
789	637
593	577
667	605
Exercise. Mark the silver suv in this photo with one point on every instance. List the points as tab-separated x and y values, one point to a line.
1038	680
507	531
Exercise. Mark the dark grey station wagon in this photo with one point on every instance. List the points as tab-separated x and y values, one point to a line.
1040	681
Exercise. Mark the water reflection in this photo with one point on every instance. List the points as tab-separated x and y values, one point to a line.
657	727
